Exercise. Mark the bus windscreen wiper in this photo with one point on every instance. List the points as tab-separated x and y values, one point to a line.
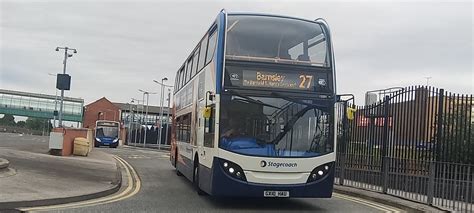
252	100
285	97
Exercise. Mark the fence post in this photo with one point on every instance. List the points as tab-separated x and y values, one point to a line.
386	163
431	180
439	125
343	145
385	158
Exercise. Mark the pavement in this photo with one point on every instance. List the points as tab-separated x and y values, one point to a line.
43	179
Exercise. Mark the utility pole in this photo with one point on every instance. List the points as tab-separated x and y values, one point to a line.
168	116
161	106
136	129
428	80
55	101
66	55
146	113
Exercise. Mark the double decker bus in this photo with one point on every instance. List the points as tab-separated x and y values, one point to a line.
254	108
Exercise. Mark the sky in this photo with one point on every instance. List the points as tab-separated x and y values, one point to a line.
123	45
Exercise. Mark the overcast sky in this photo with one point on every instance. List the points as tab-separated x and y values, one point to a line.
122	46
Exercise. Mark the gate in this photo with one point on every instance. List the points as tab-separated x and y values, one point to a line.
416	143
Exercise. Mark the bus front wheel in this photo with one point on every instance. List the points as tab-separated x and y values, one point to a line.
196	181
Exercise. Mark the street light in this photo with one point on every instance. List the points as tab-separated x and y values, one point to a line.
66	55
168	116
136	129
55	100
161	106
146	114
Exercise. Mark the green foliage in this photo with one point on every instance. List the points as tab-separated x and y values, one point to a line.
7	120
37	124
21	124
457	143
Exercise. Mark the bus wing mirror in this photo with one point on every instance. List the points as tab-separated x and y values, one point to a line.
206	112
209	96
350	113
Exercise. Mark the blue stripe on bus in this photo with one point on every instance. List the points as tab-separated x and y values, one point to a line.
219	58
226	186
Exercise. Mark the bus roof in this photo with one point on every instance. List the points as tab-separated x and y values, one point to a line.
270	15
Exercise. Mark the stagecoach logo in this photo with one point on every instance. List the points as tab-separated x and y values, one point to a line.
234	77
277	165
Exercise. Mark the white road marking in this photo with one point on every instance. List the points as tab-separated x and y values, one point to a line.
374	205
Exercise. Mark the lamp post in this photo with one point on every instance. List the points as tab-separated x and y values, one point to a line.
168	116
129	122
146	113
161	106
55	101
66	55
136	130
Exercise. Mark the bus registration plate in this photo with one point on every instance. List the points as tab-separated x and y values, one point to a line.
276	194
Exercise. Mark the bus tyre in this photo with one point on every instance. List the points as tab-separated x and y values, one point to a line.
196	181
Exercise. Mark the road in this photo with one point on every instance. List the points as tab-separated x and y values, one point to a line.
162	191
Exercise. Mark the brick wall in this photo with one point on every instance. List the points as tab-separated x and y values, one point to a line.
101	109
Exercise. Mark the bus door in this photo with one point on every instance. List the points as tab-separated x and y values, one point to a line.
206	127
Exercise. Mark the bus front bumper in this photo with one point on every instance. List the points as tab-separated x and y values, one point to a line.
226	186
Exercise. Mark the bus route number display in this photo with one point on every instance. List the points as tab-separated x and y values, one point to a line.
300	81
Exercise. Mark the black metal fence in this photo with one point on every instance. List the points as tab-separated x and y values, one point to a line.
137	135
416	143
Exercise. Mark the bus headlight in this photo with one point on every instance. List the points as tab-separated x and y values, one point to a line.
320	172
98	139
233	169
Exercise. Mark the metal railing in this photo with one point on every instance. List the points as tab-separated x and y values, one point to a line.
417	144
442	184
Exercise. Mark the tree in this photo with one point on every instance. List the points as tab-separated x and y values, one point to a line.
35	123
21	124
7	120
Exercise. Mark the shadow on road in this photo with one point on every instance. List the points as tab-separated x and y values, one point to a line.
261	204
280	204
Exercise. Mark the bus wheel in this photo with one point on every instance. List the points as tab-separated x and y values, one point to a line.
196	181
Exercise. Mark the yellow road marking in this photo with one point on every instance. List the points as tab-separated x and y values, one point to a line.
132	175
367	203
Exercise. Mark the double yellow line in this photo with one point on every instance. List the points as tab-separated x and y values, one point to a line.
371	204
133	187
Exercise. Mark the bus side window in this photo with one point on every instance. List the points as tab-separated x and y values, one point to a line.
181	79
176	80
189	71
202	53
195	62
212	46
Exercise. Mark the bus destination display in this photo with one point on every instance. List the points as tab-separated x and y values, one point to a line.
105	123
300	81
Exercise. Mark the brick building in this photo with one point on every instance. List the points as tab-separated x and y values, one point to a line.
101	109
